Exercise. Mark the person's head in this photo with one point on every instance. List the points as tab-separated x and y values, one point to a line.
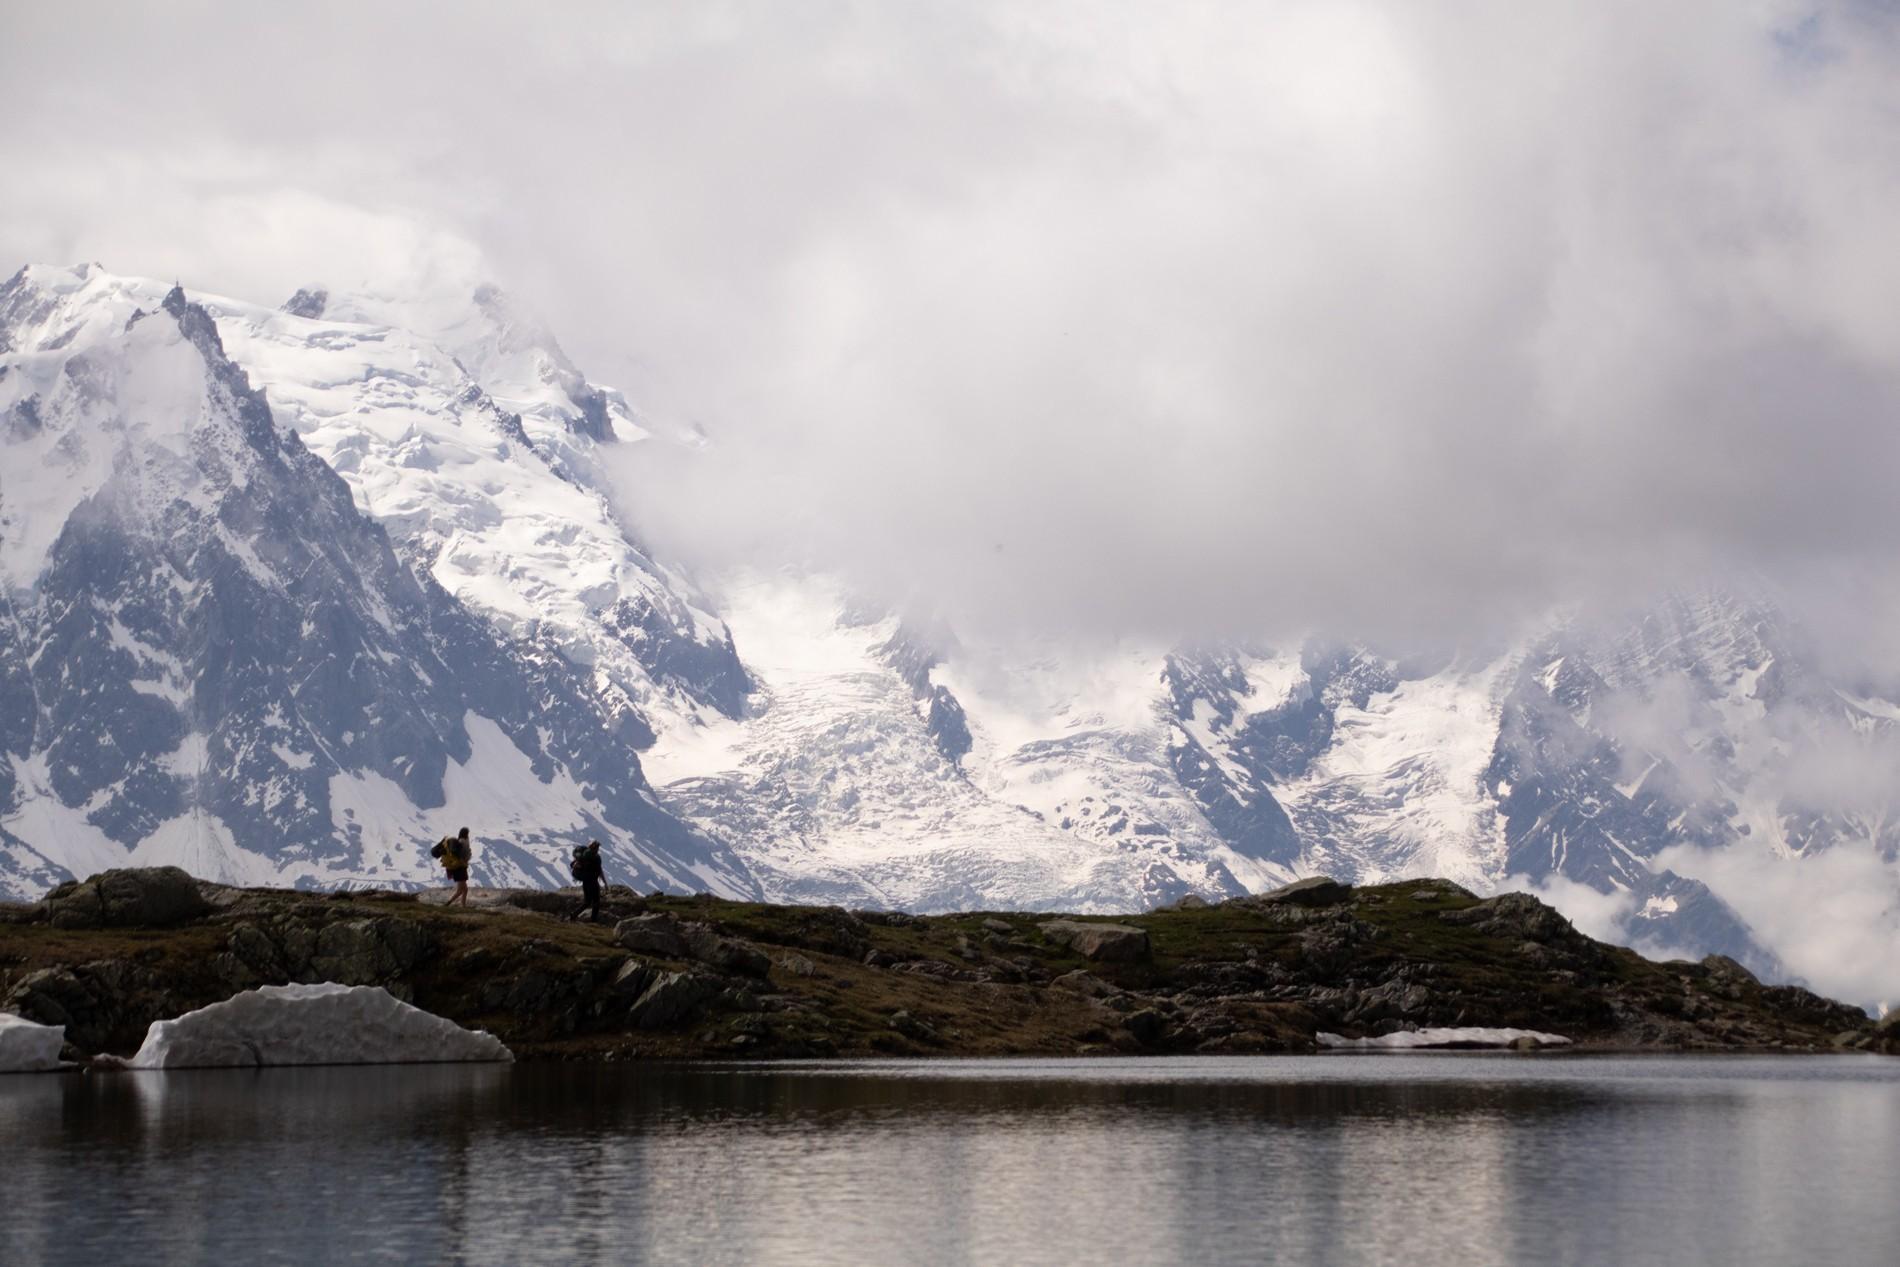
593	846
463	833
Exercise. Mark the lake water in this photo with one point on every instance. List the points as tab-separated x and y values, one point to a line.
1415	1159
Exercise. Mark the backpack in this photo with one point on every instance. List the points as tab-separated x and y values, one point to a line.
576	868
456	852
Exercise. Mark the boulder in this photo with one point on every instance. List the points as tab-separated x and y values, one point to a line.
131	897
1316	890
1105	943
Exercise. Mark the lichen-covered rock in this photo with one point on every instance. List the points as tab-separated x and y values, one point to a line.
131	897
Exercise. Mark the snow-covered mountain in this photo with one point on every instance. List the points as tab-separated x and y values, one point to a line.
290	591
215	658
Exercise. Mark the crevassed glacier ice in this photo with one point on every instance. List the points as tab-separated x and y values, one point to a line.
321	1024
27	1046
1448	1036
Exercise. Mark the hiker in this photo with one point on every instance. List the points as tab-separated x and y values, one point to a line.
586	869
454	852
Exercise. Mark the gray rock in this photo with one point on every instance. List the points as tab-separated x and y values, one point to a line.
672	999
131	897
1001	927
797	965
1105	943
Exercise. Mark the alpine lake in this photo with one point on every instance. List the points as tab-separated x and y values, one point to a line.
1420	1158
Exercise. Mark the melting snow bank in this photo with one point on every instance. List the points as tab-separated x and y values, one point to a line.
1465	1036
27	1047
326	1024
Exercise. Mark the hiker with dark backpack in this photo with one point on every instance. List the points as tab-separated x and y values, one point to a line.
455	852
586	868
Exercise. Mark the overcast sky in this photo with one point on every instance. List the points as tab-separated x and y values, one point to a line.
1147	317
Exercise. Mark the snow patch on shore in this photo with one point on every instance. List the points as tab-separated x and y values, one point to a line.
1449	1036
322	1024
29	1047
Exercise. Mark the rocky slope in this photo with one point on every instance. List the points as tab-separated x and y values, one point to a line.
702	977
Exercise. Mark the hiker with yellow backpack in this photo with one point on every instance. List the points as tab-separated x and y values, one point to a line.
455	852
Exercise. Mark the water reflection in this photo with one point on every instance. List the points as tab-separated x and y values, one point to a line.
1417	1160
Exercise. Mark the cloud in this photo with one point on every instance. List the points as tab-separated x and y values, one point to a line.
1595	914
1832	917
1212	317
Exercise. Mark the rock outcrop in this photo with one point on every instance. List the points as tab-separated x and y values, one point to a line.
696	977
135	897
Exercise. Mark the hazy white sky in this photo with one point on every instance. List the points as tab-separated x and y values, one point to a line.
1116	317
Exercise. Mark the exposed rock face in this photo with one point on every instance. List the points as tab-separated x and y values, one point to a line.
147	897
1106	943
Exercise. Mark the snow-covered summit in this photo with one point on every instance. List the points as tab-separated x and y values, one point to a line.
211	656
474	444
